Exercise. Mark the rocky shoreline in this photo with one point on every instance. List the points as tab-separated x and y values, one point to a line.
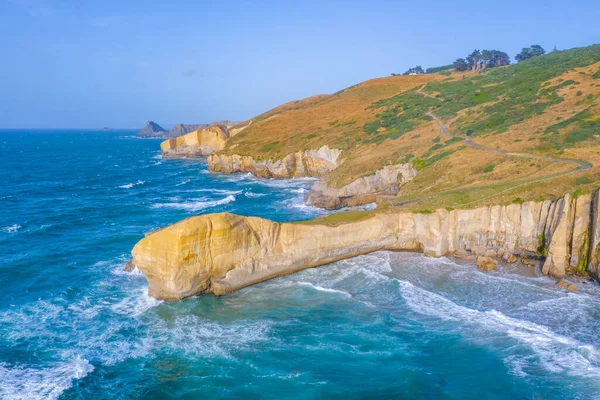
221	253
208	142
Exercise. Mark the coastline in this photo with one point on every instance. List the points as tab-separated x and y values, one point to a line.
221	253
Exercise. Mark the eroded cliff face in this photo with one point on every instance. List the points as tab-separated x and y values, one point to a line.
198	143
313	163
386	181
220	253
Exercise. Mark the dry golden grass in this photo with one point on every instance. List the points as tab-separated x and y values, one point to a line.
467	177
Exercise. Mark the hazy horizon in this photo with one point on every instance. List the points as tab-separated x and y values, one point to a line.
74	65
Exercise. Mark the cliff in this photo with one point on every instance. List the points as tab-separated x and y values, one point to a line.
220	253
364	190
152	130
302	163
184	129
197	143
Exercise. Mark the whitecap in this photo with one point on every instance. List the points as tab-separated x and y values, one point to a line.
12	229
27	383
193	206
214	191
200	337
130	185
324	289
184	182
251	195
556	353
136	304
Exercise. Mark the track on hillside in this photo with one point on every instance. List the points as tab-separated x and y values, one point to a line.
580	165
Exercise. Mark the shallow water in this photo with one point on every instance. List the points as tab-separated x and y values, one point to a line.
73	325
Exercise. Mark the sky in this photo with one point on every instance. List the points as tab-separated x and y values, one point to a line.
109	63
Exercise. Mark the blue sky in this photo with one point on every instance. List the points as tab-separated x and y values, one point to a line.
95	63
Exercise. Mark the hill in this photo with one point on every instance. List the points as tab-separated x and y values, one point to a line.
521	132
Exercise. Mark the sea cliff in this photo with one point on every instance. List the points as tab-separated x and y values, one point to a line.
220	253
197	143
313	163
384	182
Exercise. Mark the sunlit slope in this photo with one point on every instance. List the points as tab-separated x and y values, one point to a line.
545	109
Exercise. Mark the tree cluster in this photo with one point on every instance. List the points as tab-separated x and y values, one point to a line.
415	70
480	60
531	51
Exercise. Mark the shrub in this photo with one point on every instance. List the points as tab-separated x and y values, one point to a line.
270	147
582	180
488	168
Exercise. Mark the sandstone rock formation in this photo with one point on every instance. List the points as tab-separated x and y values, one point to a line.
152	130
184	129
485	263
197	143
220	253
386	181
303	163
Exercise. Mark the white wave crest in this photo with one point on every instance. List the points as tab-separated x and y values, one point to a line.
200	337
136	305
130	185
193	206
251	195
215	191
556	353
12	229
19	382
324	289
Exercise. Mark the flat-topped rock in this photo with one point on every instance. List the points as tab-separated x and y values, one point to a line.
220	253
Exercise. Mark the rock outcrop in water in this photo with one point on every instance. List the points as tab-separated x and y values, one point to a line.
152	130
303	163
220	253
197	143
386	181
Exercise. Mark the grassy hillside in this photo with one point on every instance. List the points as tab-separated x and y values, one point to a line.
537	114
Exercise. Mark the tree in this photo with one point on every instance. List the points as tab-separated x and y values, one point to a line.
474	60
531	51
480	60
418	70
461	64
497	58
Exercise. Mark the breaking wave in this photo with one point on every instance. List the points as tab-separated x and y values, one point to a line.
195	205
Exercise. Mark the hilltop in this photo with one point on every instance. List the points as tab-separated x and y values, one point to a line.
494	162
513	133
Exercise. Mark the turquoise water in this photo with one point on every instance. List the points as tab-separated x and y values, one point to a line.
73	325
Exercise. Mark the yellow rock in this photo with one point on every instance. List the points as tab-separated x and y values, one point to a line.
197	143
220	253
486	263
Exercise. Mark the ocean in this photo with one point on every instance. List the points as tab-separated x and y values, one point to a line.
74	325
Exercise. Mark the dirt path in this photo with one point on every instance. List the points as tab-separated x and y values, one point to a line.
580	165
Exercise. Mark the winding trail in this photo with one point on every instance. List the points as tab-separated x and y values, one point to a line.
580	165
